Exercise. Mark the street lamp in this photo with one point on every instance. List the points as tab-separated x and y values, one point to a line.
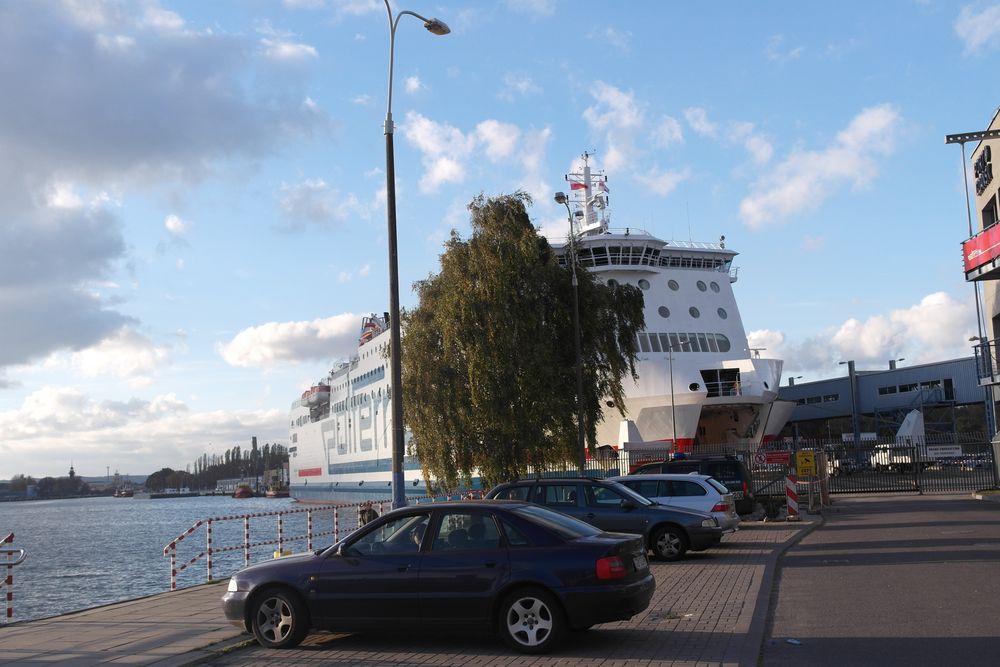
436	27
561	198
791	380
854	401
892	363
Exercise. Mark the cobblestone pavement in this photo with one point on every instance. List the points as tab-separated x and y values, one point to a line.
709	609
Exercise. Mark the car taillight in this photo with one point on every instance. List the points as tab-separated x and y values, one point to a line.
746	490
720	507
610	567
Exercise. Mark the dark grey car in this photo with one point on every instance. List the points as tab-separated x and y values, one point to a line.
668	531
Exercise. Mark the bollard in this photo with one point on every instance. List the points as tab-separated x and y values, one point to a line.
792	498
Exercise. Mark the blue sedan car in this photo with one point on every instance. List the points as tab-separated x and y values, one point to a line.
524	571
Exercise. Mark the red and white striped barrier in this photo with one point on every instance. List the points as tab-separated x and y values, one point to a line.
14	557
792	497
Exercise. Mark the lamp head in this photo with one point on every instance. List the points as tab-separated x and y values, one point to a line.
560	197
437	27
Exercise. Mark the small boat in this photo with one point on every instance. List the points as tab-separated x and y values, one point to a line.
243	491
276	492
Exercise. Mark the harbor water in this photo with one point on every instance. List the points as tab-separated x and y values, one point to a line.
92	551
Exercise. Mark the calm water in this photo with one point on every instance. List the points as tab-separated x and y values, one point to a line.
88	552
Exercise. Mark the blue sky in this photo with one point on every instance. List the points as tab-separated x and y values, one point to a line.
192	194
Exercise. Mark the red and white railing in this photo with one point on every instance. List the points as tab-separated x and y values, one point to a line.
346	518
12	557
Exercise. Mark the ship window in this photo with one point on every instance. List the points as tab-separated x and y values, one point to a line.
703	342
715	286
665	342
675	342
701	285
694	312
712	345
664	311
654	342
672	284
723	342
643	284
643	343
722	313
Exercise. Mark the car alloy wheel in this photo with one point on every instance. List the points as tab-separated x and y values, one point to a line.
279	619
531	620
669	543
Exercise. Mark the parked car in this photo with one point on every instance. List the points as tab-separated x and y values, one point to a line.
729	470
694	491
668	531
525	571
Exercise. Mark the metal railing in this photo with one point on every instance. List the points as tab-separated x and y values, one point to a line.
340	520
13	557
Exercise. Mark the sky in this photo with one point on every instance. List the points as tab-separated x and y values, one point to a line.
192	194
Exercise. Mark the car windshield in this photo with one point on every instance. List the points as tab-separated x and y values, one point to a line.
721	488
564	526
632	495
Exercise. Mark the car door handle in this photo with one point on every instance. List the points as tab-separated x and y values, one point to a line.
403	568
590	515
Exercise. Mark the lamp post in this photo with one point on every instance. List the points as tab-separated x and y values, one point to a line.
892	363
561	198
673	412
436	27
854	401
792	379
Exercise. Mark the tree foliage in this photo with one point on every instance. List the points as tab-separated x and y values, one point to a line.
489	358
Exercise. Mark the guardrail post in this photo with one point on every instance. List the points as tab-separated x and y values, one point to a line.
309	530
246	541
336	524
208	557
281	549
9	579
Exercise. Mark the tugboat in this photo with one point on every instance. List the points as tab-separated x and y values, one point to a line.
243	491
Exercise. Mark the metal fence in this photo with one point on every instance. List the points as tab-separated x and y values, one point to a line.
932	464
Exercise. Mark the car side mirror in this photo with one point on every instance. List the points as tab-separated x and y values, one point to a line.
628	505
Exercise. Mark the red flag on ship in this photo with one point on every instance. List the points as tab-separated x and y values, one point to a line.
576	186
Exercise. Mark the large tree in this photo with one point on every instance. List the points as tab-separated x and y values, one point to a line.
488	354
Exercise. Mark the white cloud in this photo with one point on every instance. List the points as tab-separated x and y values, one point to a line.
978	30
125	354
697	118
518	86
618	116
275	343
314	202
361	100
413	85
663	182
806	178
756	144
667	133
444	149
175	225
537	8
500	139
138	436
619	39
938	327
775	53
143	68
285	51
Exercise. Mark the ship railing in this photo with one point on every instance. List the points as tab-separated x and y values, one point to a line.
12	557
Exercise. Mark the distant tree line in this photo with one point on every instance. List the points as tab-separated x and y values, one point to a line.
250	464
207	470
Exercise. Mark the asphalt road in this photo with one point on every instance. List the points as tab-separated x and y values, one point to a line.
891	580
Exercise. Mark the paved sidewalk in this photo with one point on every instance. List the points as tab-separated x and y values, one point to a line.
709	609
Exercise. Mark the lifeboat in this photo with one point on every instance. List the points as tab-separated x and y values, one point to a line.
317	395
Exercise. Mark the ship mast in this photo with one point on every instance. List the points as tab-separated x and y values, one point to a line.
591	209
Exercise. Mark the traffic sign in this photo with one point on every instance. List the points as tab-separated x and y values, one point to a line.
805	463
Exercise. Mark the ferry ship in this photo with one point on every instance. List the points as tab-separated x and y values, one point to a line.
698	379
